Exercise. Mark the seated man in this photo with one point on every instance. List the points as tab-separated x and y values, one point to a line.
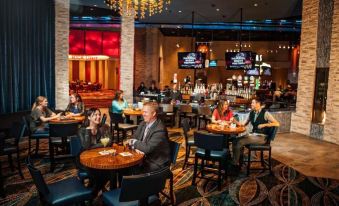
151	138
261	121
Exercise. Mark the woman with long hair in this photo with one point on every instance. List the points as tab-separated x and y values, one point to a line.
119	103
76	106
40	115
222	112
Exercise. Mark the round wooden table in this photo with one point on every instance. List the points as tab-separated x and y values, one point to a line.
225	130
92	159
131	112
77	119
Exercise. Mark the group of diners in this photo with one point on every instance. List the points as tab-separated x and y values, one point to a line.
151	137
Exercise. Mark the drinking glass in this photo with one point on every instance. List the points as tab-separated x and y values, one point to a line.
104	140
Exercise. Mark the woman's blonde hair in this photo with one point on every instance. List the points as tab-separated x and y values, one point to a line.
38	101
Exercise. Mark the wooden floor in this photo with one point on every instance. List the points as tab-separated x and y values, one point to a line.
308	156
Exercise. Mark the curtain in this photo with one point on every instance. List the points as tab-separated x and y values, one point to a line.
26	53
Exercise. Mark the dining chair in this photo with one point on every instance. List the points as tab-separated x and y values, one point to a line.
75	149
205	115
211	147
168	109
189	141
59	138
64	192
262	148
11	146
136	190
186	111
117	124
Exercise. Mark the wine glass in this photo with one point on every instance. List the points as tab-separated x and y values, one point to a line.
105	140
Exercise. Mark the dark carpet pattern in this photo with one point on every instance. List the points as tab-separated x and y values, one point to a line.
284	186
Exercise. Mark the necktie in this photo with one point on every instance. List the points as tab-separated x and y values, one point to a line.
145	133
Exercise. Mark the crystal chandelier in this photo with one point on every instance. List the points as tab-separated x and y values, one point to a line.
139	8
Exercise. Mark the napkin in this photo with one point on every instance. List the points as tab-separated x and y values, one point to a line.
125	154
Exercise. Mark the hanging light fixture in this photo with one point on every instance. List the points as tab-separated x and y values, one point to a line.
139	8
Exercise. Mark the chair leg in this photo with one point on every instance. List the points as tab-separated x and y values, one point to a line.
179	121
51	156
195	170
186	156
262	159
19	165
171	189
29	146
37	146
270	161
202	167
199	120
219	176
10	160
248	162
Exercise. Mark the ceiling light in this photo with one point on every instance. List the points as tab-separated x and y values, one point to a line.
218	9
178	45
255	4
279	46
179	11
249	45
95	5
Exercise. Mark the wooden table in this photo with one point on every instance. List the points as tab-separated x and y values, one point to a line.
92	159
76	119
225	130
132	112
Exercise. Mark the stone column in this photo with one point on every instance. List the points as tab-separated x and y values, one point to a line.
302	118
127	56
331	131
61	53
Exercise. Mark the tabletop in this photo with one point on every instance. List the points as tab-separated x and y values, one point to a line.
77	119
132	112
221	129
93	159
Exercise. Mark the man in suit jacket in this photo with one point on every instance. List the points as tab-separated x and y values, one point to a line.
151	138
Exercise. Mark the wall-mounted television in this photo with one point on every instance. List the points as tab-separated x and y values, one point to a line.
213	63
239	60
191	60
252	72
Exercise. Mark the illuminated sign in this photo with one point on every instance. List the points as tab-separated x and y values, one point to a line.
87	57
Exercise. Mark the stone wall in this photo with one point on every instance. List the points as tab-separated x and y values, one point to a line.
61	53
331	131
302	118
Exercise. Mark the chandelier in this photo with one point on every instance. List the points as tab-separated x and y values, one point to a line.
139	8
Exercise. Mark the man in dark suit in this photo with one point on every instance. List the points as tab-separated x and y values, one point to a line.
151	138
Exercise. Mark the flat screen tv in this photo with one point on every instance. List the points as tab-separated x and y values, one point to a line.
252	72
266	71
239	60
213	63
191	60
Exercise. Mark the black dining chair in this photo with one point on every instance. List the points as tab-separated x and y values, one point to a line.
34	136
59	138
64	192
186	111
75	149
134	191
262	148
117	124
10	146
189	141
204	115
168	110
211	147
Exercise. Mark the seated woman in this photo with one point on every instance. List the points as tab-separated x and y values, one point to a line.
222	112
153	89
119	103
142	88
76	106
91	133
40	115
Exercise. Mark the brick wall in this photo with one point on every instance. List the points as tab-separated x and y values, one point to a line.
61	53
301	119
127	56
331	132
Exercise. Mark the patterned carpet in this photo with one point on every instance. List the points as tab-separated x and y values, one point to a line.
284	187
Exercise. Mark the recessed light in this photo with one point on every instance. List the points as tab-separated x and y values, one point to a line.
218	9
95	5
179	11
255	4
166	8
92	9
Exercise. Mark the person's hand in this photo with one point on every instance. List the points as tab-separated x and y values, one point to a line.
260	126
139	152
58	115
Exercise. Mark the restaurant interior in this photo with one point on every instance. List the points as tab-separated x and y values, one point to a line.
169	102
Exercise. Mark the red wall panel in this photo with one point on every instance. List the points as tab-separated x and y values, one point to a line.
111	44
93	43
88	71
76	42
75	70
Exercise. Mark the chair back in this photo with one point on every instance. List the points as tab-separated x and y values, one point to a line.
167	108
174	148
271	132
186	127
37	178
185	108
103	120
133	187
205	110
63	130
17	131
162	116
26	120
209	102
116	118
209	141
75	146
